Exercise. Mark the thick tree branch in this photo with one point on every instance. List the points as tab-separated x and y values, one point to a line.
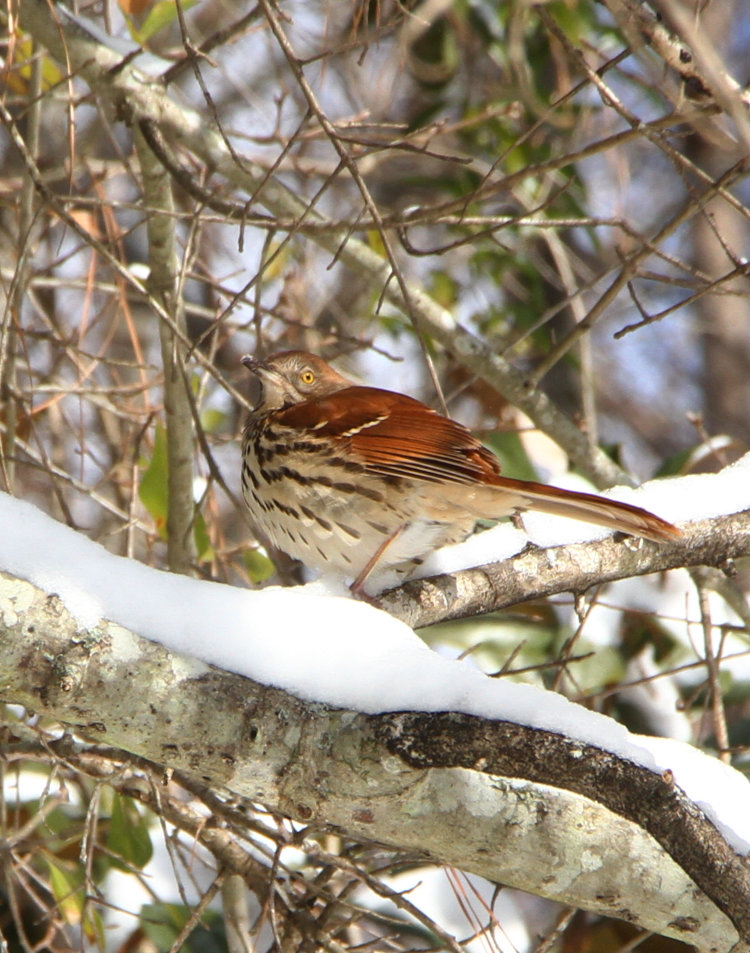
519	806
535	573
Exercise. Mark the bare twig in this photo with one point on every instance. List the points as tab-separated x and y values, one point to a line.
163	285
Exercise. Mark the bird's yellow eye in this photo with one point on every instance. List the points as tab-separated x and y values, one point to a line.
307	376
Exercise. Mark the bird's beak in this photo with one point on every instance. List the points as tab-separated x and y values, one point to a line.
257	369
250	363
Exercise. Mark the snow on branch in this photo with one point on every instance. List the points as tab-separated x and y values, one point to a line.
538	572
517	805
346	721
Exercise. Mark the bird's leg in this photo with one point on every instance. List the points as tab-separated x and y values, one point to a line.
357	588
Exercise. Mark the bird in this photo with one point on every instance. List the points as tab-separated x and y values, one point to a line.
357	480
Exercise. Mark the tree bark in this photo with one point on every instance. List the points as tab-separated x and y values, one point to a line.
519	806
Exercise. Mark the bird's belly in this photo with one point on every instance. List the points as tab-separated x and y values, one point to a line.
337	524
329	523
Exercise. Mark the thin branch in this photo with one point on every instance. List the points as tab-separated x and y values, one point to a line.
11	320
163	285
632	261
712	660
698	65
125	89
405	295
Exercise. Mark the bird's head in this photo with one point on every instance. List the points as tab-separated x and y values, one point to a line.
289	377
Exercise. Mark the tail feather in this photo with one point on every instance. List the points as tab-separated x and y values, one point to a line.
519	495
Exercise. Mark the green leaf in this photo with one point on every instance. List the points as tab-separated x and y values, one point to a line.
529	633
162	923
212	420
444	289
154	494
259	566
512	454
154	488
161	16
66	883
375	241
639	630
676	464
603	666
93	927
202	541
129	837
24	50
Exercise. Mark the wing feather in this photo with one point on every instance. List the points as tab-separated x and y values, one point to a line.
398	437
394	435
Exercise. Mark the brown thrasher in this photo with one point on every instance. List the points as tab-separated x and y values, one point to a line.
351	478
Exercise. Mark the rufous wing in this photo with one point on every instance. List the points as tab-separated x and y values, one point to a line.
396	436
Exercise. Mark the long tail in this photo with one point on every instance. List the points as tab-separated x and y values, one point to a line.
510	496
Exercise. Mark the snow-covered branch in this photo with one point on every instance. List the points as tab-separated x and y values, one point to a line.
538	572
491	797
